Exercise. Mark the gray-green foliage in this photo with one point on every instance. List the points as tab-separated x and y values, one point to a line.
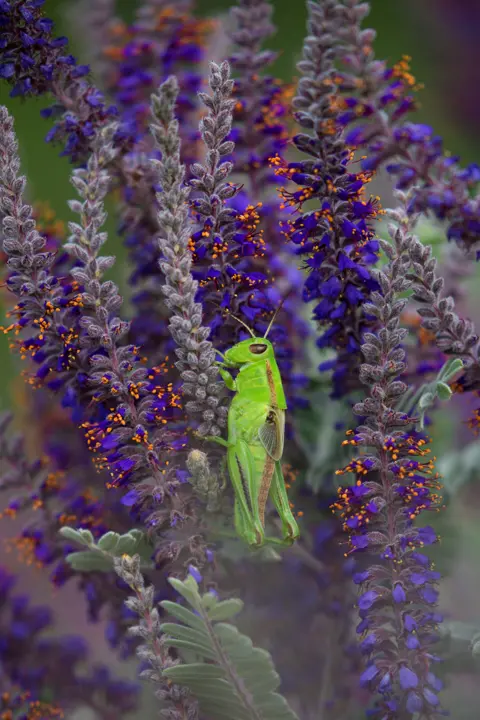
426	395
461	646
231	679
319	438
459	467
99	555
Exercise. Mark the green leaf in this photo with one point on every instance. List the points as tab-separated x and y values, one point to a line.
458	468
89	561
184	632
194	671
131	543
460	646
425	396
426	400
191	646
137	534
183	614
108	542
443	391
237	681
450	369
125	545
208	601
72	534
87	536
142	546
188	589
476	649
319	438
225	610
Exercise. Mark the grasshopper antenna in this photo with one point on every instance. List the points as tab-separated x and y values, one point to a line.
235	318
242	323
277	311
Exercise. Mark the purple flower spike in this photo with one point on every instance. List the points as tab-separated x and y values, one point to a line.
396	457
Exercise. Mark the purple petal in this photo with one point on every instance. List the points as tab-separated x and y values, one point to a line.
195	573
366	600
399	593
368	675
407	678
414	702
430	697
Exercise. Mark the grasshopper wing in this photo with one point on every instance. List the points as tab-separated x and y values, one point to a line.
272	432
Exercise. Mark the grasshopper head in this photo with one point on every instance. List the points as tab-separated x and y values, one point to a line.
249	351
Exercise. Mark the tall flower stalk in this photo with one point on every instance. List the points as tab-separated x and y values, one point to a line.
164	39
132	436
177	703
335	238
261	131
256	94
195	352
395	482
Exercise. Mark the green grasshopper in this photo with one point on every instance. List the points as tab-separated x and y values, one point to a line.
256	430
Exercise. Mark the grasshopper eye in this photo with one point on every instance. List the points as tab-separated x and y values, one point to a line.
258	348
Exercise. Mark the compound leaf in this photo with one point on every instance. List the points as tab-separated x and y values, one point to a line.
235	681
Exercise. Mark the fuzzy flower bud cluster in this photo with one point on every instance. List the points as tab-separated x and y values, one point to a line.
196	354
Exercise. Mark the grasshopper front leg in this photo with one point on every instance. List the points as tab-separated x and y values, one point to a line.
226	377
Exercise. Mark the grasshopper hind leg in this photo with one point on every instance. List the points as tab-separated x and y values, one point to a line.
244	527
279	497
241	468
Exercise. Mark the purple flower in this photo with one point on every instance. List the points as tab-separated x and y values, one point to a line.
412	642
194	572
430	697
409	623
366	600
368	675
408	679
398	593
7	70
142	59
360	578
414	702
